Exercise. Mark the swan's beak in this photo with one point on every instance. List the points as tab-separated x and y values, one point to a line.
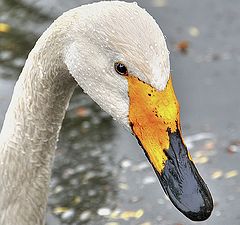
154	119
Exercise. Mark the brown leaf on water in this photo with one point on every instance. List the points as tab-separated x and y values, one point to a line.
82	112
183	46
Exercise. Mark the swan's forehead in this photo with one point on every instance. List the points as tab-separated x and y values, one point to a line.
137	38
130	34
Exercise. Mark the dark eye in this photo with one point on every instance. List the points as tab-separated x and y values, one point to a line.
121	68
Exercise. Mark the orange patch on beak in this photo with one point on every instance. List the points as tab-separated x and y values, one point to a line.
152	115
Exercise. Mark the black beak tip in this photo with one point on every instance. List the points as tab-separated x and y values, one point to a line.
183	184
201	215
197	213
197	206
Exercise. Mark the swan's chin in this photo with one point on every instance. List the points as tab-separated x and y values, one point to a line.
155	121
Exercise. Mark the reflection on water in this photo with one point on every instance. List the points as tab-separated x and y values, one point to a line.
14	47
83	178
15	44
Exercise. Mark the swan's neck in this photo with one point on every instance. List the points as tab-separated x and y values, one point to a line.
30	132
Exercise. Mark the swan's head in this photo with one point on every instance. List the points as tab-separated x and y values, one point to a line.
118	55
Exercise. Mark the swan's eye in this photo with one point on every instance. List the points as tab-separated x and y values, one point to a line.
121	68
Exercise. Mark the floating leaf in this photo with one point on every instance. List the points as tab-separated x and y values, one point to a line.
59	210
4	28
131	214
183	46
231	173
115	214
159	3
201	160
123	186
76	200
193	31
83	112
217	174
127	214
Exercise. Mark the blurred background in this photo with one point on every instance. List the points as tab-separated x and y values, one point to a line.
100	174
